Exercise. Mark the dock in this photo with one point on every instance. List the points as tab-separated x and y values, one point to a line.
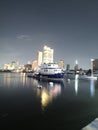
92	126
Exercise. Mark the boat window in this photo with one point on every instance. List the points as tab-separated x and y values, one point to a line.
45	70
49	65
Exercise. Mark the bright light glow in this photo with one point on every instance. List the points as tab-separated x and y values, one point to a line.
45	98
76	83
76	62
92	59
92	67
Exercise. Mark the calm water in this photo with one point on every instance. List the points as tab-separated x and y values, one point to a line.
28	103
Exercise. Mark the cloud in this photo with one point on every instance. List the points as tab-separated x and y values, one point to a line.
24	37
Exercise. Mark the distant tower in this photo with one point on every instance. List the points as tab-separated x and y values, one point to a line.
39	58
47	55
76	65
76	62
28	62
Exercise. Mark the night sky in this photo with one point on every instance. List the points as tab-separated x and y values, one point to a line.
70	27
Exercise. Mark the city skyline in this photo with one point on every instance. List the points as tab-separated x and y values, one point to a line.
69	27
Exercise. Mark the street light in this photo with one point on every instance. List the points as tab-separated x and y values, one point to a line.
92	67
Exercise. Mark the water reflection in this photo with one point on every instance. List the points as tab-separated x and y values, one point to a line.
40	100
6	79
47	91
14	79
46	98
92	87
91	83
76	83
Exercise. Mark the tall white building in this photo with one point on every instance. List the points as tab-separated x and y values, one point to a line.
76	65
39	58
61	64
47	55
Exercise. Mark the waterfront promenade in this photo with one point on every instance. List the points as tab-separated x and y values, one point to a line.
92	126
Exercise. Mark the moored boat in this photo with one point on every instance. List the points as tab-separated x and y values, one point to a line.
88	77
33	75
51	71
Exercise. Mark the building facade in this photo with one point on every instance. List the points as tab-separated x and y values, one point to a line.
39	58
47	55
61	64
35	65
95	64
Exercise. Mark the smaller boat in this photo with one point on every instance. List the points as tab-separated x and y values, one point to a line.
30	75
70	75
88	77
33	75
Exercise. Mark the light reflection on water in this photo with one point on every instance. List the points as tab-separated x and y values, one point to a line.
76	84
47	91
67	101
13	80
52	89
92	87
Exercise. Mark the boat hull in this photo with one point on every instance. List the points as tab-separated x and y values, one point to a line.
52	77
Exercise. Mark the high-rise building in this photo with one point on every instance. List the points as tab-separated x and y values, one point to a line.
68	67
47	55
34	65
39	58
76	65
95	64
61	64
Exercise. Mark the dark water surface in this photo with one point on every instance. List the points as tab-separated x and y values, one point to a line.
31	104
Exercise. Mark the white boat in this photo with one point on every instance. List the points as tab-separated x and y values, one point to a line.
33	75
88	77
72	75
51	71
